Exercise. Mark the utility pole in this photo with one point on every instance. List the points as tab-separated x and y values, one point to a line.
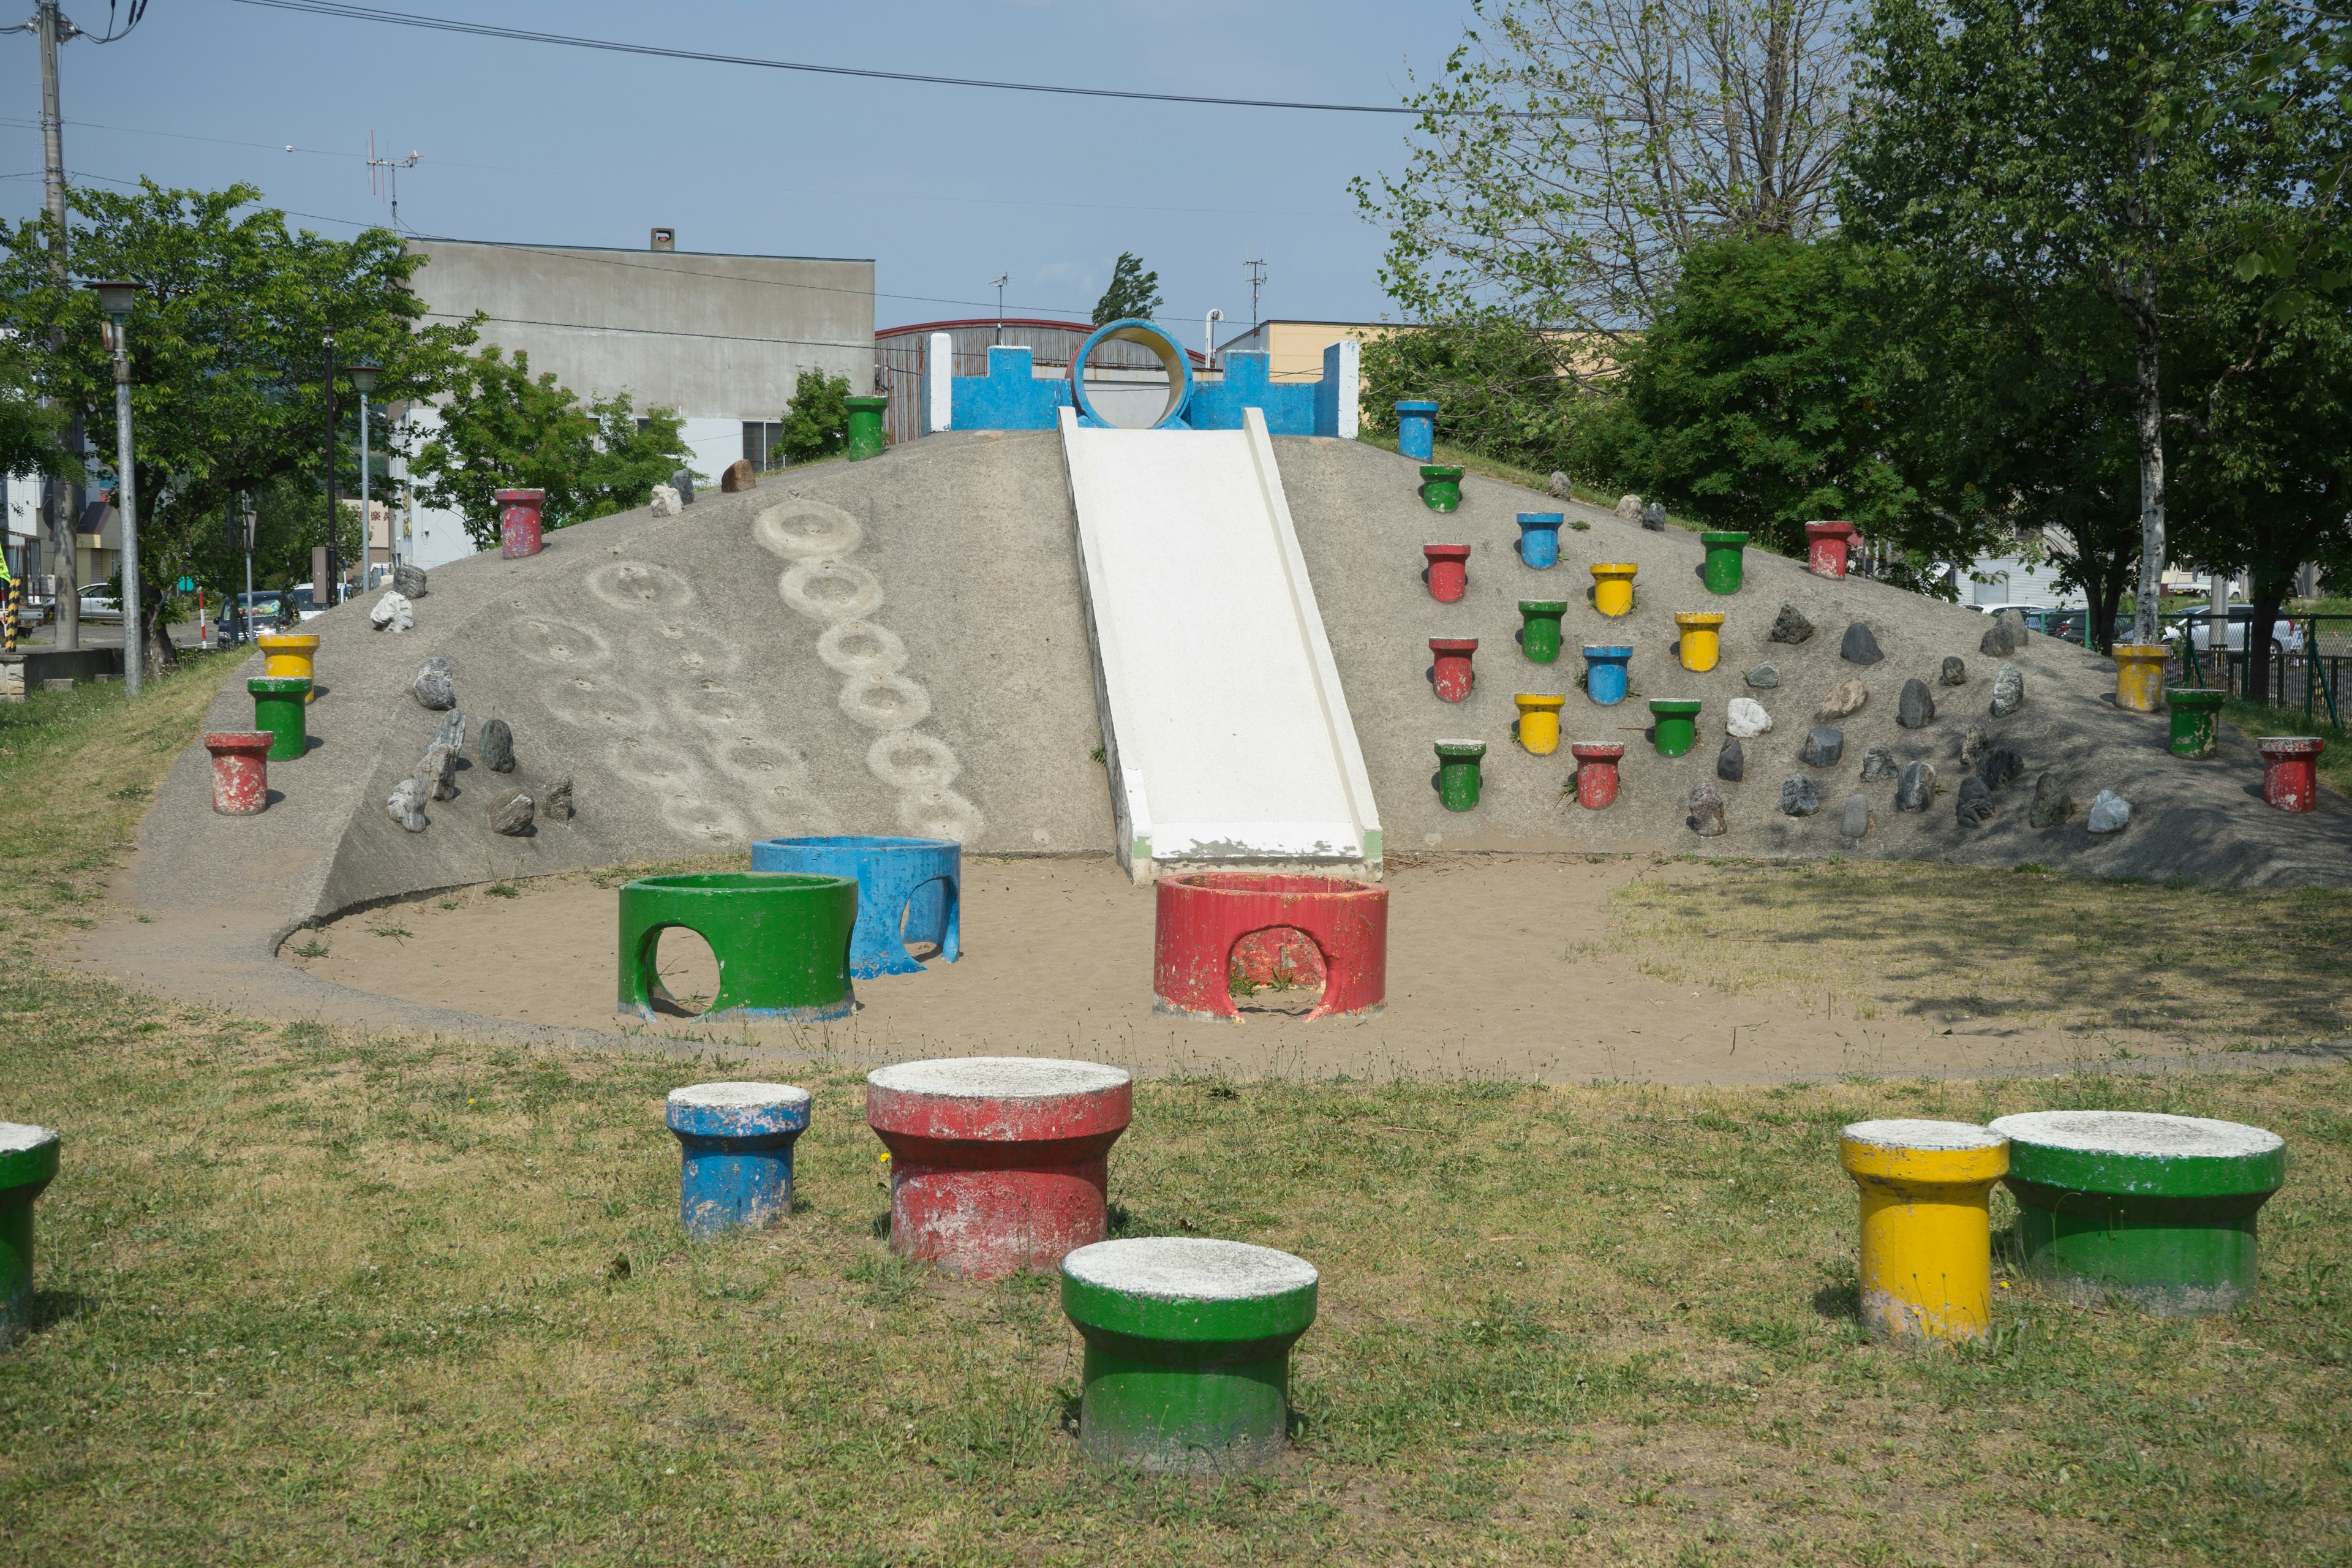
1258	282
61	499
363	381
116	300
321	593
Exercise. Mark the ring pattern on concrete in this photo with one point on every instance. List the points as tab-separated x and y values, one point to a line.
876	693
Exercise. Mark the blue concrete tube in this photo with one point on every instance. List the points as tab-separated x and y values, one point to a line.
1604	672
1539	539
908	891
735	1142
1417	431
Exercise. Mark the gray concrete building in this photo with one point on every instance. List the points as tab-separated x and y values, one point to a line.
720	338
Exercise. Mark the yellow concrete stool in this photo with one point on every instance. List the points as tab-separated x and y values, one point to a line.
1702	639
2139	675
1539	722
1613	588
291	654
1926	1234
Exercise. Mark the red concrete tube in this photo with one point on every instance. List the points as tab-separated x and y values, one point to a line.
997	1164
240	771
1451	675
1210	923
1449	571
1827	545
2290	771
1596	773
520	527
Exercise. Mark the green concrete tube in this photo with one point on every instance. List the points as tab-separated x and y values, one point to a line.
1188	1351
2196	719
1540	628
866	434
278	707
2156	1210
1441	487
28	1163
1674	724
782	941
1726	562
1458	773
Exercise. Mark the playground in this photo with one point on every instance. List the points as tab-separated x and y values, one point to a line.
1256	998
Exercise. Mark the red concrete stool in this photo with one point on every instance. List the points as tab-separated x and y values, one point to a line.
1596	773
1826	547
1210	921
240	771
1449	571
1451	674
2290	771
998	1163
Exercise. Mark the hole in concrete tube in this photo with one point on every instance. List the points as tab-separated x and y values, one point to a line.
685	974
1276	970
1129	383
927	912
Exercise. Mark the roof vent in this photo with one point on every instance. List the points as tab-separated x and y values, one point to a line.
664	239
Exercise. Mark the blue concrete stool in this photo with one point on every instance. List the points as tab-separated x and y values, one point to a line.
1417	430
908	891
736	1143
1539	538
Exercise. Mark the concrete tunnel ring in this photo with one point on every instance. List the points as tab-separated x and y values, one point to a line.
1172	358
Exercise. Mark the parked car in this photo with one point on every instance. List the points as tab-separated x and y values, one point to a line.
2286	637
98	605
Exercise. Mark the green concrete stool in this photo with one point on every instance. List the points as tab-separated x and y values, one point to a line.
2158	1210
782	941
1540	628
1726	562
866	436
28	1163
1459	773
278	707
2195	712
1188	1350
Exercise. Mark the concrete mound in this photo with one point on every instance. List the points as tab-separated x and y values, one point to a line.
900	645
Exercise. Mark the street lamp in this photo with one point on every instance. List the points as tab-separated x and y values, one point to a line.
364	376
116	299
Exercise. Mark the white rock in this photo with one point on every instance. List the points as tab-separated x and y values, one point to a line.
1628	507
393	610
665	502
1747	717
406	806
2109	811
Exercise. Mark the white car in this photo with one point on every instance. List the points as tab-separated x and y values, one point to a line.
2286	637
98	605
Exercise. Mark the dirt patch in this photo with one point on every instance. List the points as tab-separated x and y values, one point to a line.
1504	965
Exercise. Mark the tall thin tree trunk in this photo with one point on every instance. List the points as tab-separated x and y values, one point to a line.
2146	625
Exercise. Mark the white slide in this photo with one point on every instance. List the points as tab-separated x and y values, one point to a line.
1226	733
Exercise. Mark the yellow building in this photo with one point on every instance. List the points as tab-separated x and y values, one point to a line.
1294	349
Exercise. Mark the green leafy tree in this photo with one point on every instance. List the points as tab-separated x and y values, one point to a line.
1133	292
1497	384
818	423
28	427
503	428
227	348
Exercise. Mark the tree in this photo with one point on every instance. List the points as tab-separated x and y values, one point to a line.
1133	292
28	427
818	423
1496	385
503	428
2032	152
1574	152
227	352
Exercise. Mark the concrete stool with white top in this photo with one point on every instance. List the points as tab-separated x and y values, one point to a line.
998	1163
1188	1350
2158	1210
735	1144
1926	1225
28	1163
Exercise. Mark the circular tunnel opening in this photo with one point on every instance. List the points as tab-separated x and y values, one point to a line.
1130	375
685	974
1277	971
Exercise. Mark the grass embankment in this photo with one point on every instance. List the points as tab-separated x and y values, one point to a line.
316	1297
1511	473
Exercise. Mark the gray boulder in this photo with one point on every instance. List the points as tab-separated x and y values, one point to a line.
406	806
1860	644
408	581
1560	486
1628	507
1997	642
1799	797
1653	517
1998	766
1846	696
452	732
513	814
555	800
436	686
682	482
1731	763
1955	672
496	747
1706	811
2052	805
1823	746
436	776
1916	709
2109	811
1972	745
2007	692
1791	626
1877	764
1974	804
1856	820
1915	788
1764	676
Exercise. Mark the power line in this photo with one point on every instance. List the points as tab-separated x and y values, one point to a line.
484	30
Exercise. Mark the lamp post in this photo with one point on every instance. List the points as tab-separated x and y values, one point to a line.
116	299
321	593
364	376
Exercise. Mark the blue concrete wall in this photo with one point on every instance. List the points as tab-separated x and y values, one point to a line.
1011	397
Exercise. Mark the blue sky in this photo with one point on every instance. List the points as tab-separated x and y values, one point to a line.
943	187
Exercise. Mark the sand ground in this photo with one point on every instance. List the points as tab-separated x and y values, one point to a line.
1484	978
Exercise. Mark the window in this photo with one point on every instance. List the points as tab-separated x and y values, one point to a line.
763	442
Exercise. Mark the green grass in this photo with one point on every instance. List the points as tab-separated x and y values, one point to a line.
312	1296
